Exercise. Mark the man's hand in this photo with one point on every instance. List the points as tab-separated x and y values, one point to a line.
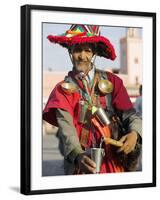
129	142
85	164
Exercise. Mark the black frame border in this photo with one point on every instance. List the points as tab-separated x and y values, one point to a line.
25	145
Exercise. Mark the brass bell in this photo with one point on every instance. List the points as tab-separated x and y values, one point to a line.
105	86
69	88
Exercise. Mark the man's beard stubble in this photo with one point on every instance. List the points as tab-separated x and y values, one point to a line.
83	66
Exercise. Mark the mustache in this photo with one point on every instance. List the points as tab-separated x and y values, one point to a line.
82	61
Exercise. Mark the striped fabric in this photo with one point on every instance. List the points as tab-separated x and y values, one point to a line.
92	29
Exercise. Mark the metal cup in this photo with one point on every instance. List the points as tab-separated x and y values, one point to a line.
102	116
97	155
105	86
83	110
69	88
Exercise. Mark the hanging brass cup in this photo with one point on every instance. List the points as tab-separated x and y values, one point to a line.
69	88
105	86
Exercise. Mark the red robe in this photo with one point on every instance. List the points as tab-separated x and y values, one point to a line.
70	102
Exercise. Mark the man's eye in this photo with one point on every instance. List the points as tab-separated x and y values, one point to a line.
77	50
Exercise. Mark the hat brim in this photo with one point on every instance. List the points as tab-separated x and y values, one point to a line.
103	48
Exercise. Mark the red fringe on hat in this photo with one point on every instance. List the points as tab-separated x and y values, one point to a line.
104	47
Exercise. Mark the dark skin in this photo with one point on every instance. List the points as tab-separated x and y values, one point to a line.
82	56
129	142
85	164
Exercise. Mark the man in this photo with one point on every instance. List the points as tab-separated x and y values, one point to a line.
86	97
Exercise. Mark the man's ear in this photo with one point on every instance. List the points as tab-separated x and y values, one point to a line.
94	56
70	50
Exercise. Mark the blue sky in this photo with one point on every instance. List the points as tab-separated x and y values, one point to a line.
56	57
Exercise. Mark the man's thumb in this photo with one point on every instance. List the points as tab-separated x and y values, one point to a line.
122	139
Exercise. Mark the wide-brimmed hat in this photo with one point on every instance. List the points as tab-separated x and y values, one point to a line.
80	34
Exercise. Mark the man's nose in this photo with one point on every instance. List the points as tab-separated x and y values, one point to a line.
82	55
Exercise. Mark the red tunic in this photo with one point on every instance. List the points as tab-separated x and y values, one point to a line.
70	103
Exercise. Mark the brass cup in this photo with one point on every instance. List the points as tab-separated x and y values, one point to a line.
69	88
105	86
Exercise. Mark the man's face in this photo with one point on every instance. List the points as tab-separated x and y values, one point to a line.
82	55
